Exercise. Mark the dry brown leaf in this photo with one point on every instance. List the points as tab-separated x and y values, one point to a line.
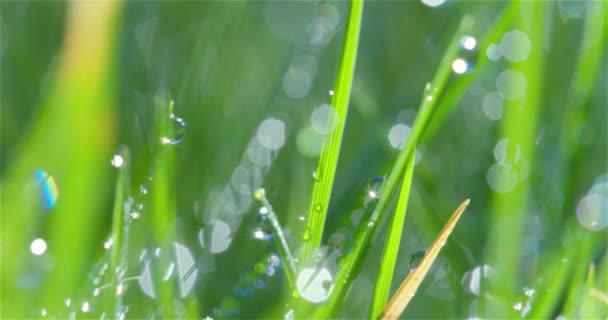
408	288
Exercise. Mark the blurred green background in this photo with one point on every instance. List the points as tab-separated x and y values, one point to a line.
231	66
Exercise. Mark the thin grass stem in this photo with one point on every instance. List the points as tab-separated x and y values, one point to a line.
391	248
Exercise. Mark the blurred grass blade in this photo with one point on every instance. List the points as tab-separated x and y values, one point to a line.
408	288
591	53
328	159
349	269
577	280
519	126
163	199
391	248
457	91
602	296
120	234
71	139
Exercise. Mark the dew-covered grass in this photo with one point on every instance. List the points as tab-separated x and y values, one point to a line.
299	160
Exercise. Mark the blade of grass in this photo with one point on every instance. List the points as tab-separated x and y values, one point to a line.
363	236
279	238
457	91
519	127
391	248
591	51
120	239
599	295
408	288
66	142
577	282
163	200
328	159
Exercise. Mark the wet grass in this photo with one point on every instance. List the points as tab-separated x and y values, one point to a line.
154	199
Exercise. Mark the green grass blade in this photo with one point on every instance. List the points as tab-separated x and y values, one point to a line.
279	238
458	90
163	201
391	248
65	141
328	160
363	236
519	127
119	238
592	51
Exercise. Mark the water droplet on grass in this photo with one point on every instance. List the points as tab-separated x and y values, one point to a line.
461	66
468	43
38	246
117	161
260	194
315	285
178	131
415	259
262	234
592	212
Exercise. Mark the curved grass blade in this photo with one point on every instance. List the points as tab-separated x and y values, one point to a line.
328	160
408	288
280	240
391	248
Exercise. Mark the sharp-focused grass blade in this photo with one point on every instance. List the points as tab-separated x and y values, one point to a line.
352	262
391	248
328	160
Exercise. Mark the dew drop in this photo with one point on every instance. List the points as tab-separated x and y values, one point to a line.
85	307
262	234
289	315
259	194
38	246
109	243
117	161
468	43
461	66
178	128
318	207
315	285
120	289
135	215
415	259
